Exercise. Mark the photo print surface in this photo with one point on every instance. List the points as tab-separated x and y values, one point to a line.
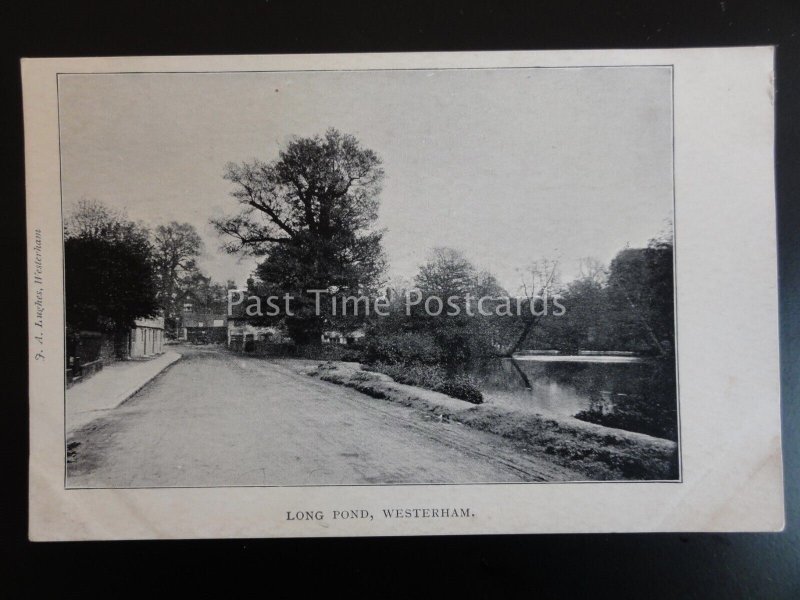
369	277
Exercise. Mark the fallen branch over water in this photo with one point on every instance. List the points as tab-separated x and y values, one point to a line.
597	451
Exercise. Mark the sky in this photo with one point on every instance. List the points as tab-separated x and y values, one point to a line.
507	165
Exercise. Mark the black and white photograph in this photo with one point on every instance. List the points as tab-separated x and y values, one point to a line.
369	277
478	296
402	294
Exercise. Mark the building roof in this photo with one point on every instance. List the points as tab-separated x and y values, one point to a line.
155	322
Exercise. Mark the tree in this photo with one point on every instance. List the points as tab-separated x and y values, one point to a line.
642	280
454	282
310	214
108	284
539	282
108	271
93	219
446	273
585	320
592	270
205	295
175	248
628	306
498	324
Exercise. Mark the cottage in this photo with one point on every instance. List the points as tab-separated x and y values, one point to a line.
146	338
88	351
344	338
242	334
202	327
243	331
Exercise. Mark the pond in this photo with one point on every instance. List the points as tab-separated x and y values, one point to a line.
611	387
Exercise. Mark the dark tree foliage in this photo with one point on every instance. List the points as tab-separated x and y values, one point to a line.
108	266
309	213
632	309
203	293
108	283
641	279
415	334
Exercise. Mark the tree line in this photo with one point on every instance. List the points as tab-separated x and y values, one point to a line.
310	215
118	270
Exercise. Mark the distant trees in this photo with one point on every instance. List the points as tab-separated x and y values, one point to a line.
176	246
117	271
204	293
592	270
446	273
310	214
91	219
444	325
450	277
628	306
540	282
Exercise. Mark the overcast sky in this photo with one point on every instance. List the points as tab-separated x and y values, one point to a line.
507	165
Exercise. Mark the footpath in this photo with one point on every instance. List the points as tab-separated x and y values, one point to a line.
111	387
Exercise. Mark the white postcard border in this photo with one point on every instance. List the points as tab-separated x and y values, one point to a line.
726	274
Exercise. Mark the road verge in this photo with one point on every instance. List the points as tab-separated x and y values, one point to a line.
600	452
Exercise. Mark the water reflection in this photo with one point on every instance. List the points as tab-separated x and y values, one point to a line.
644	389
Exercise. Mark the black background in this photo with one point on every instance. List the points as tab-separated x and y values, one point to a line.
674	565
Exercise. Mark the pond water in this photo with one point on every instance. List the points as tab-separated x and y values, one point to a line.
566	385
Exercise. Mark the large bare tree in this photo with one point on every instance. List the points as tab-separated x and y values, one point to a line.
539	281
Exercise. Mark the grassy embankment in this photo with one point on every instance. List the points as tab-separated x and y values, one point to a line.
600	452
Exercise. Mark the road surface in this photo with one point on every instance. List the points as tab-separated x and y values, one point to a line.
220	419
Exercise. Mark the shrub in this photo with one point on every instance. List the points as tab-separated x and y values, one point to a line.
643	415
463	390
402	348
352	354
432	378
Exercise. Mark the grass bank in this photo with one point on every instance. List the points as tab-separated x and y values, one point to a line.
433	378
599	452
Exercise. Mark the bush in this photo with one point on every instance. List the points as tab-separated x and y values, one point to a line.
432	378
412	374
463	390
637	414
402	348
630	422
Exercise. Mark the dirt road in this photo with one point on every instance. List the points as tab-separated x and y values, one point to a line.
218	419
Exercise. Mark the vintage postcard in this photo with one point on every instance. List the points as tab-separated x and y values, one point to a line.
402	294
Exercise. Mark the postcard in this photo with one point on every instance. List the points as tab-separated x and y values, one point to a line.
402	294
